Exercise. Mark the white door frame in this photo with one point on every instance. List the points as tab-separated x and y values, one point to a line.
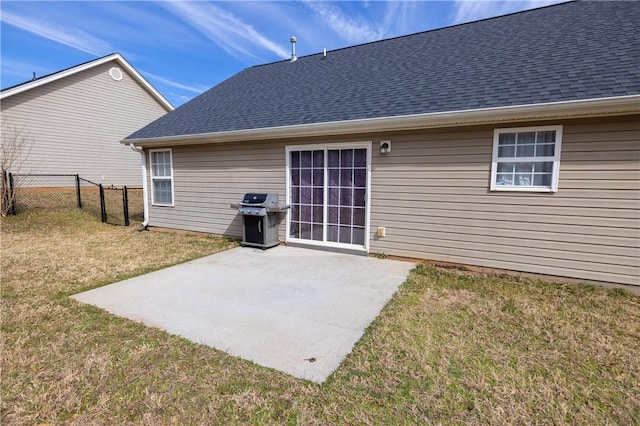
329	146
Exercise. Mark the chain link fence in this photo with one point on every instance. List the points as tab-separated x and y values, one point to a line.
114	205
120	205
42	192
136	204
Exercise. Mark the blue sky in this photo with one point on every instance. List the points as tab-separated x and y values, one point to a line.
184	48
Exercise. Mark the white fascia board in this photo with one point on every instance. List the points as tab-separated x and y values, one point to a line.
74	70
157	95
602	107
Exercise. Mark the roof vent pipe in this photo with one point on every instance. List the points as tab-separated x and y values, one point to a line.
293	49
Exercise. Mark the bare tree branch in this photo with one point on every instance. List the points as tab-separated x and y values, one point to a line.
15	147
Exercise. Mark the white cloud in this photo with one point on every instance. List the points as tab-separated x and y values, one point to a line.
349	29
531	4
472	10
193	89
66	35
135	23
400	15
236	37
468	10
22	70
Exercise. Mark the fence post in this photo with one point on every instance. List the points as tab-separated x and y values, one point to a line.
78	191
103	207
5	191
125	205
12	194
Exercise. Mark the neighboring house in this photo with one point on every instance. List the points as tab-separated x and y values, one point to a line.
75	118
514	144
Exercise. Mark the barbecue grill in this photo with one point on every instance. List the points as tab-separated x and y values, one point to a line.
260	219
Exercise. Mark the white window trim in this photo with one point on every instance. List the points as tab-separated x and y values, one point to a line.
329	244
556	160
152	178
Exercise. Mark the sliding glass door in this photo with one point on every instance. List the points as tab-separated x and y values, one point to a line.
327	189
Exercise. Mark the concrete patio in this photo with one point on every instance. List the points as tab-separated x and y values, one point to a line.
292	309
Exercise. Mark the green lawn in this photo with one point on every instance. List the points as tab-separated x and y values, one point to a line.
452	347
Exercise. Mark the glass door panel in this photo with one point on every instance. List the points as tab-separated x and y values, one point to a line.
307	194
347	186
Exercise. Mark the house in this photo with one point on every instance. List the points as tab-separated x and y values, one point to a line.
74	119
511	142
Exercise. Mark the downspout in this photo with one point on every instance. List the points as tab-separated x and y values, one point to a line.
145	204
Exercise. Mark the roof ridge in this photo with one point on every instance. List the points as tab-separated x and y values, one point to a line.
566	2
59	71
565	58
117	57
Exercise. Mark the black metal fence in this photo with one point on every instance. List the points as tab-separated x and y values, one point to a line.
114	205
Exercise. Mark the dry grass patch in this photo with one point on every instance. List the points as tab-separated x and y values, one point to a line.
471	349
452	347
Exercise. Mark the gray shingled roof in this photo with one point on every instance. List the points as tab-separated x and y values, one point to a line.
571	51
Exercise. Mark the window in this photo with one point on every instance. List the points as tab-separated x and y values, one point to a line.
161	177
526	159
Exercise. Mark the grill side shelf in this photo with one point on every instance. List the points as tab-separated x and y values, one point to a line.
278	209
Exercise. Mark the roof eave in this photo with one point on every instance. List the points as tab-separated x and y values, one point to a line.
621	105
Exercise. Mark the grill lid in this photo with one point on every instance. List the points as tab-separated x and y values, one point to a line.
269	199
254	198
254	203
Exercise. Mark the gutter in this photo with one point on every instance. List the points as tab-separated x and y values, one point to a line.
145	203
621	105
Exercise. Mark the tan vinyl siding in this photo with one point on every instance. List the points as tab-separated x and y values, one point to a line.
209	178
76	124
431	193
